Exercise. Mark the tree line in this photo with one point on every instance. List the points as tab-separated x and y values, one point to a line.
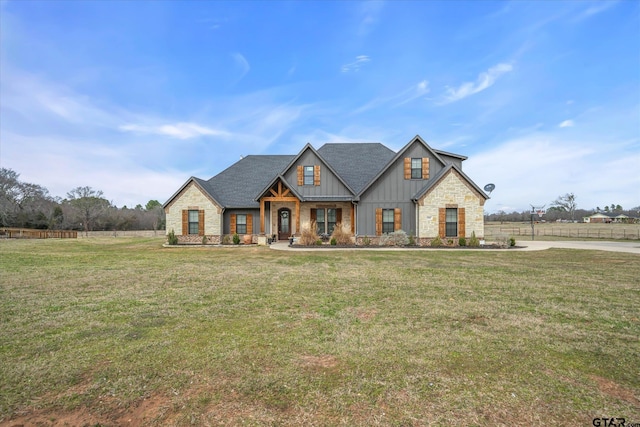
564	208
27	205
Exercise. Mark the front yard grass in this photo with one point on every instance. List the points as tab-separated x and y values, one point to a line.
116	331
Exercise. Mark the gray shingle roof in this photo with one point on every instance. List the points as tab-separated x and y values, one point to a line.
357	163
238	185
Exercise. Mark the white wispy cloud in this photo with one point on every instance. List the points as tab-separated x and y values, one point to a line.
355	65
566	124
368	14
484	81
414	92
404	97
39	100
242	64
596	8
182	130
537	167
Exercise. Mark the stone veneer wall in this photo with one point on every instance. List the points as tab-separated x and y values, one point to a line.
192	198
451	191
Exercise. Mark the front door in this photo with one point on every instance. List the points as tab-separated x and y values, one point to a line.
284	224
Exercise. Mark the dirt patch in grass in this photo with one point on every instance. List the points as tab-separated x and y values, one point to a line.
614	389
143	412
326	361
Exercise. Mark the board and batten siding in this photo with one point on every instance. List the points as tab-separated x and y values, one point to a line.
451	191
254	221
192	198
392	190
330	185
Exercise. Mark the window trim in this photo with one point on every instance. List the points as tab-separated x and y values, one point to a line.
331	225
308	175
451	227
240	225
193	227
323	222
416	172
385	224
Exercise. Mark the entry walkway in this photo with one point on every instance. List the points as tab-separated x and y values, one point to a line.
537	245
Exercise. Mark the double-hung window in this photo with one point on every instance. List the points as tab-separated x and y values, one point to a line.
416	168
241	224
451	222
387	221
320	222
193	222
332	218
308	175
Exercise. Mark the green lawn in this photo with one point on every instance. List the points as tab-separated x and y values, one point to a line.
117	331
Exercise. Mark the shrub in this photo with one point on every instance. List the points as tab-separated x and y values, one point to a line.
226	239
309	236
462	241
172	239
397	238
436	242
333	242
341	235
412	239
512	241
366	241
502	240
319	242
204	240
474	241
236	239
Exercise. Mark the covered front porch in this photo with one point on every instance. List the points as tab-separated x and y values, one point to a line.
283	213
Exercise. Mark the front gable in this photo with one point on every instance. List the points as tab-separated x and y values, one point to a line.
313	178
193	197
451	190
415	164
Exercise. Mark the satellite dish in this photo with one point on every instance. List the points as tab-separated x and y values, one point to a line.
489	188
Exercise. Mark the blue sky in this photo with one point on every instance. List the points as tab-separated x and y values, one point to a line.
134	97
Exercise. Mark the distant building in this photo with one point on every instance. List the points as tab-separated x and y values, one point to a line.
601	218
598	218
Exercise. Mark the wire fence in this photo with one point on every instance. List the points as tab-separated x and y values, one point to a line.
579	231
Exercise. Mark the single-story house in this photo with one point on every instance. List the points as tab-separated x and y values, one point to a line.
597	218
368	188
604	218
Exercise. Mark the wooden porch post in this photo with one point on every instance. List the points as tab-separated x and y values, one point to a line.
261	216
297	216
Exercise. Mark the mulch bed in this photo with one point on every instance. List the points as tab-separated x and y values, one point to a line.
490	246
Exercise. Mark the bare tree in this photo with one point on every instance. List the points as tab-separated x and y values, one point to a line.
88	204
23	204
566	203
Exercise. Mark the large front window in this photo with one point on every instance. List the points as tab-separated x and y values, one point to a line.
451	222
193	222
387	221
308	175
241	224
416	168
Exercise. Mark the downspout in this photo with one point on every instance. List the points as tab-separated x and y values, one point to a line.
355	218
222	224
417	221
